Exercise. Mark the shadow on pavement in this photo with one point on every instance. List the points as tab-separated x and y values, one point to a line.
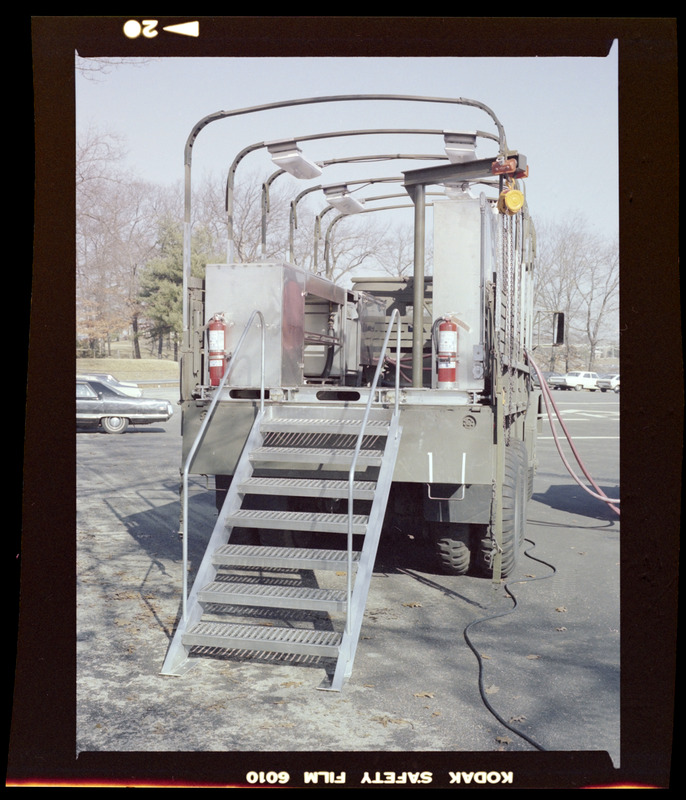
574	500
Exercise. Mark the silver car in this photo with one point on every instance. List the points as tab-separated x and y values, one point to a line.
608	383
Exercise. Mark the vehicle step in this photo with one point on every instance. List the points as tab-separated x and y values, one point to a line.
273	596
262	638
296	521
316	455
306	487
244	555
374	427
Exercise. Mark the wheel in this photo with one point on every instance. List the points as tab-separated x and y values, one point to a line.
451	543
114	424
578	388
514	494
616	390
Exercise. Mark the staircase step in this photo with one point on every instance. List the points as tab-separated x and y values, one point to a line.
273	596
316	455
296	471
343	426
306	487
261	638
296	521
244	555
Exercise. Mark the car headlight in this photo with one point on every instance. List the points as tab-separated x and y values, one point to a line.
170	408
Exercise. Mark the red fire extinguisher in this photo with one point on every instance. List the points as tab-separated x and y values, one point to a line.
216	332
447	353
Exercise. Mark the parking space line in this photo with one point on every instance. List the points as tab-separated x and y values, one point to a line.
580	437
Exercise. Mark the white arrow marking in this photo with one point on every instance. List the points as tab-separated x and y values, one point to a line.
185	29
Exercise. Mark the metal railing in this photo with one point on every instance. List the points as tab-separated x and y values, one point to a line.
201	433
395	317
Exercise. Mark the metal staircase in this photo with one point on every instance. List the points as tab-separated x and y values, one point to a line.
322	472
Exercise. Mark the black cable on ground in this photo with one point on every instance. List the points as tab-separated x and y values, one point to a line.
479	659
598	494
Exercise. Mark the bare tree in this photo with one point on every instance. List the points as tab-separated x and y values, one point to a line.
96	68
396	257
578	274
597	284
115	222
352	244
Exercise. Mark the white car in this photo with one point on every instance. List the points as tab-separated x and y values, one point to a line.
126	387
608	383
581	380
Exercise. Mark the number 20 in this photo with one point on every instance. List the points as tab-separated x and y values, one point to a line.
149	26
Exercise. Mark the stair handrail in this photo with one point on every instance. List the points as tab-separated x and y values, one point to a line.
395	316
203	427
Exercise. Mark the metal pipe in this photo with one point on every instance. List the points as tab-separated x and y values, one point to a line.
293	218
340	217
395	318
419	197
219	115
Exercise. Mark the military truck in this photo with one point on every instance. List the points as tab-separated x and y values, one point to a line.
331	415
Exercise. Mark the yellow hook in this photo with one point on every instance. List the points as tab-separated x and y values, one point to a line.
511	200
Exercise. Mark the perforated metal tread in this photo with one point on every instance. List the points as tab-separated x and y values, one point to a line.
297	521
374	427
261	595
306	487
244	555
260	638
316	455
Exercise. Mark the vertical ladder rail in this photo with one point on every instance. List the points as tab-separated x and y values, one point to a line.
201	433
395	319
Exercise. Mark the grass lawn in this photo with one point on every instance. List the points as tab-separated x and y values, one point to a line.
131	369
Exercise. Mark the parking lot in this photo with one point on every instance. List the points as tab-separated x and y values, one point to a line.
445	666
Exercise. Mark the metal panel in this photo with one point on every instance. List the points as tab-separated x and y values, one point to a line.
236	290
281	292
435	439
457	279
225	437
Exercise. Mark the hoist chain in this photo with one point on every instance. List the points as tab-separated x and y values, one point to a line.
510	288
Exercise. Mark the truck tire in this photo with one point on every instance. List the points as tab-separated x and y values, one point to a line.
515	490
114	424
451	546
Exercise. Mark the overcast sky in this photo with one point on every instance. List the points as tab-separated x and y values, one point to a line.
560	112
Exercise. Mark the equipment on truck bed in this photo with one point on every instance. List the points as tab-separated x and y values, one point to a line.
325	413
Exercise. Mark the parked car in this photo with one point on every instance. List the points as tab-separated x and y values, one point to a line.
126	387
535	380
574	380
608	383
581	380
556	381
100	405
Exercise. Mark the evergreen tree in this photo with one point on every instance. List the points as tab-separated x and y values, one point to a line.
161	281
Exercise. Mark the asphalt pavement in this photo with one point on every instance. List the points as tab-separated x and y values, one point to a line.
455	680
